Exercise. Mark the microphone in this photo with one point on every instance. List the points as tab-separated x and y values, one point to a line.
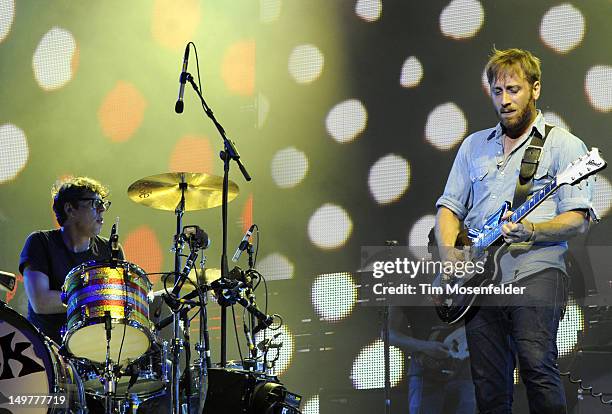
249	339
267	343
178	107
114	243
243	244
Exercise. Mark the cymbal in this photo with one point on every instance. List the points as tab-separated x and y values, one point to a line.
163	191
210	275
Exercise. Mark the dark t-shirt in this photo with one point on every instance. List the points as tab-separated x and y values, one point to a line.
46	252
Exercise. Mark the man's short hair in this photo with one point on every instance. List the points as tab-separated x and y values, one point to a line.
70	190
508	60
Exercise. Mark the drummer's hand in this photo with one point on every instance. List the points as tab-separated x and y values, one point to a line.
435	349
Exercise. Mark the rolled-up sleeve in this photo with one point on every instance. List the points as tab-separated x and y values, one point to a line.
456	194
578	196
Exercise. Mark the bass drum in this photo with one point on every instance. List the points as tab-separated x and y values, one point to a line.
31	365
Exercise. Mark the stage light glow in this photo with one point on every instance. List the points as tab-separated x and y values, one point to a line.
555	119
485	83
311	406
238	68
263	109
567	335
602	195
418	238
369	10
55	59
446	126
368	369
346	120
329	227
389	178
122	112
289	167
598	87
192	153
142	247
285	354
174	23
334	296
562	28
275	266
412	72
269	10
7	15
15	152
461	19
305	63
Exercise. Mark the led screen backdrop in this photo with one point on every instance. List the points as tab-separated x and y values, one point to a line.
347	114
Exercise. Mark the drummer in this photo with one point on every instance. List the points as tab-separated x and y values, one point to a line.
48	256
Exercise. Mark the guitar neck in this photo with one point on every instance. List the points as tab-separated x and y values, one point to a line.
494	234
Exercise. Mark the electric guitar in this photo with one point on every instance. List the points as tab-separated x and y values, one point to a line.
487	245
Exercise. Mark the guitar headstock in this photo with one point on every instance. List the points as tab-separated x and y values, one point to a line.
581	168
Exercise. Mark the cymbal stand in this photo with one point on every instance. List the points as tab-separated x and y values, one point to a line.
228	154
177	342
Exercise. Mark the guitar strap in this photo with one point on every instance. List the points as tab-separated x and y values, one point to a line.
529	165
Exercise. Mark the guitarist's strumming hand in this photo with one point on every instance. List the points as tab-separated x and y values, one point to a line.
517	232
435	349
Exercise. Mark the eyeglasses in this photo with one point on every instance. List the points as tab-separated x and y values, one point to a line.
97	203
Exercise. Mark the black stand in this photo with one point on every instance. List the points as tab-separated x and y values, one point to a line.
228	154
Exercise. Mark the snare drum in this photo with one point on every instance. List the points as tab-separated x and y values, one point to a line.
31	365
94	288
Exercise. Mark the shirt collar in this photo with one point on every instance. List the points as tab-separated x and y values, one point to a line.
539	124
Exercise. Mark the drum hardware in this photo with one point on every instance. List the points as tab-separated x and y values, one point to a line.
7	281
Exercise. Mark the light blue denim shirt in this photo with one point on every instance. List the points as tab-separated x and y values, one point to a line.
481	180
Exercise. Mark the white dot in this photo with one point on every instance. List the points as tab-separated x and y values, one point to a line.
275	266
562	28
602	195
263	109
340	303
389	178
285	354
7	15
305	63
369	10
368	370
461	19
346	120
598	87
52	60
412	73
418	239
14	153
329	227
269	10
555	119
567	335
446	126
289	167
311	406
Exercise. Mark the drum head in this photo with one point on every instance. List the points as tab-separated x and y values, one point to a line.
90	342
26	367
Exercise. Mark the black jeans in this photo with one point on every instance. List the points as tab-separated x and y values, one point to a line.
500	329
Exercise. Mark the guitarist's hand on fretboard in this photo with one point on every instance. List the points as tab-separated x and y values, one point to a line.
516	232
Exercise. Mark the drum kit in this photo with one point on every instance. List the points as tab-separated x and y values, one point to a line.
113	359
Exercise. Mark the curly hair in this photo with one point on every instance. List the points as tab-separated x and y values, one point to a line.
508	60
70	190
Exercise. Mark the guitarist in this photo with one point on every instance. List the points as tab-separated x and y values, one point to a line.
485	174
439	379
